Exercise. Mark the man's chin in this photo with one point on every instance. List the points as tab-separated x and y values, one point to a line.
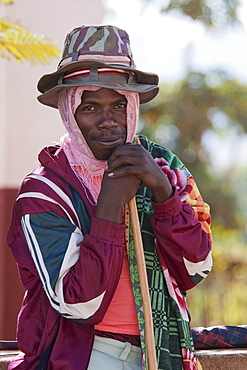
104	156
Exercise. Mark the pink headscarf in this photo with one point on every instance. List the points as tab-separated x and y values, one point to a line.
87	168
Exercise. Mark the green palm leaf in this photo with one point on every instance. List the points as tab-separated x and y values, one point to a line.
17	42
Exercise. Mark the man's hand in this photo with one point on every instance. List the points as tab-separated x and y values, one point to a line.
114	194
128	167
131	159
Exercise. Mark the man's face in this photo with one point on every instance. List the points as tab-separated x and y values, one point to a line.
102	119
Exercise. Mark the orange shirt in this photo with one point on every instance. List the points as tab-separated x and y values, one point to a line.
121	315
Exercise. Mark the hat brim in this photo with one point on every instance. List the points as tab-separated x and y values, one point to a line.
49	85
50	97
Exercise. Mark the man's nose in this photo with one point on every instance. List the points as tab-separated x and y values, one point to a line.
107	121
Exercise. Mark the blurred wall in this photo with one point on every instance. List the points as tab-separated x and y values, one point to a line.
26	125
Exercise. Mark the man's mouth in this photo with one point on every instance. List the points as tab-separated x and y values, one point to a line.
109	141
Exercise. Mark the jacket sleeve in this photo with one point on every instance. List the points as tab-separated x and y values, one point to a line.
182	229
79	272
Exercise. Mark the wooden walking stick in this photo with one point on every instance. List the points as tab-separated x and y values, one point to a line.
141	265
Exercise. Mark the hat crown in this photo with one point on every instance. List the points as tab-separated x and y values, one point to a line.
97	40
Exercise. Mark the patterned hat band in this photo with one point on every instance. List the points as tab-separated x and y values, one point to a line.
97	74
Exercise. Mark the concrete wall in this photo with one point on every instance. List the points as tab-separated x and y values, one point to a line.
25	124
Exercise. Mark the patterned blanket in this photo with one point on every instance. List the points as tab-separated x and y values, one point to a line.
220	337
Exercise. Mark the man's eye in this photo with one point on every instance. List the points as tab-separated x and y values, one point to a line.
121	106
88	108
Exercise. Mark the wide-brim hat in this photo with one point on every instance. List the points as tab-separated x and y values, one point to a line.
97	56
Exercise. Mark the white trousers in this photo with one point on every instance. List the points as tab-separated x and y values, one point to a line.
110	354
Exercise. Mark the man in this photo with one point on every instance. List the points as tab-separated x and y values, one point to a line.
71	234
